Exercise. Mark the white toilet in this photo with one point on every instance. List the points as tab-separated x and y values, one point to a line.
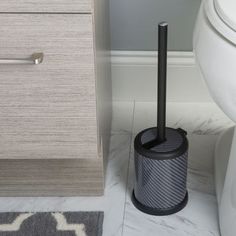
215	51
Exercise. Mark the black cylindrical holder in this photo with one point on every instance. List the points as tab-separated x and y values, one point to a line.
160	172
161	154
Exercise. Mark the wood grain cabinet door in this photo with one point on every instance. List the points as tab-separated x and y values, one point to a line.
47	111
47	6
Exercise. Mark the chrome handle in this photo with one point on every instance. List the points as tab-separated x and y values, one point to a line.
35	59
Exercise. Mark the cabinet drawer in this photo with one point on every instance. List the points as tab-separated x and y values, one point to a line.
79	6
47	110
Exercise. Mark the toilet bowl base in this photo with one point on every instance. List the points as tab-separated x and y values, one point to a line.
225	180
222	154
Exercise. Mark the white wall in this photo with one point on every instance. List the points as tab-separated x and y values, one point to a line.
134	23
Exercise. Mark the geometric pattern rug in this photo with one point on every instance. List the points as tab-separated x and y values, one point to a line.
51	224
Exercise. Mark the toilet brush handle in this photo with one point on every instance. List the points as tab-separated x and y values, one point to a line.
162	68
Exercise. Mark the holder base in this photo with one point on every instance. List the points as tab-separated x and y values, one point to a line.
159	212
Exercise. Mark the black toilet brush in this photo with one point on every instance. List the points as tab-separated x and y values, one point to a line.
161	154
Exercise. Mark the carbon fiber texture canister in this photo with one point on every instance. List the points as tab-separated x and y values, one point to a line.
161	172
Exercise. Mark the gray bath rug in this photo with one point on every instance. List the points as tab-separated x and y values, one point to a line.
51	224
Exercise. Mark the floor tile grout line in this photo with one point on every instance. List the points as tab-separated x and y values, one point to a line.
128	168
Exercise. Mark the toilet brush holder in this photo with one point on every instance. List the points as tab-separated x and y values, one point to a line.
160	172
161	154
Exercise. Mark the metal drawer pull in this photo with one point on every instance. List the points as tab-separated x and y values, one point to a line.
35	59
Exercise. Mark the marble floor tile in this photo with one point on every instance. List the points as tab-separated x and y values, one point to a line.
196	118
203	122
198	218
201	163
112	203
201	151
122	119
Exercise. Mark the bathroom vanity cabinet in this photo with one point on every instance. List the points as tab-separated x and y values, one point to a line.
55	112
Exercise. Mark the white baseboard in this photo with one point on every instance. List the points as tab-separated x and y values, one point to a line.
134	76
